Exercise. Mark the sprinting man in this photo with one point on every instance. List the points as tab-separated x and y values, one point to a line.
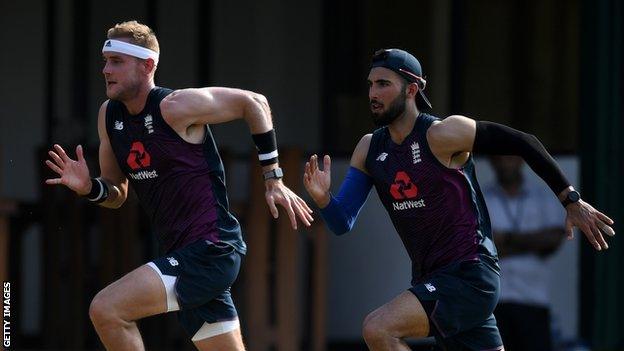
159	140
423	171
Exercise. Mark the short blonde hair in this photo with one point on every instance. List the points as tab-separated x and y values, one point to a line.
138	33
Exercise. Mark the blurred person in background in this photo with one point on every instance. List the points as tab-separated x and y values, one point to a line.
527	225
159	139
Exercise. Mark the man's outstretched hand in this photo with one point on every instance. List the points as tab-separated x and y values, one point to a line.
74	174
591	222
278	193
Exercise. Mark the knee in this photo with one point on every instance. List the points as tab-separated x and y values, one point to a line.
101	312
373	328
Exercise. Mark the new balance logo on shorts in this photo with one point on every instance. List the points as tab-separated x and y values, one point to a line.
430	287
172	261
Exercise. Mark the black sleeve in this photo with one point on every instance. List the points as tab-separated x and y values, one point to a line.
497	139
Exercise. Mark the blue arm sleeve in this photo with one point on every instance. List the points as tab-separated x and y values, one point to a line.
342	211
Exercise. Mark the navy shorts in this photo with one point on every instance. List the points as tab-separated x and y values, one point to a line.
460	301
197	279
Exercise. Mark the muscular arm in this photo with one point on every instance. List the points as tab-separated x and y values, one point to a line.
457	135
110	172
541	242
214	105
199	106
451	137
188	108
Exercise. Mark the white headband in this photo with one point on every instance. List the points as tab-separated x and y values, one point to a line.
113	45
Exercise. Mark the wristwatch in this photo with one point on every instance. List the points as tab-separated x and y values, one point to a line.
275	173
571	197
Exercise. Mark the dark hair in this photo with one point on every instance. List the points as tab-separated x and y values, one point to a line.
420	103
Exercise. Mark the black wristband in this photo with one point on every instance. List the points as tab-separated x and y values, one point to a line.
497	139
99	191
266	143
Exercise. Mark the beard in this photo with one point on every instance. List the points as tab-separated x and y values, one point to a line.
396	108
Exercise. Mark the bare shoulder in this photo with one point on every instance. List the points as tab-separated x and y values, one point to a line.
189	97
190	103
102	120
102	111
358	159
450	126
172	102
180	108
363	145
103	107
179	94
451	136
454	133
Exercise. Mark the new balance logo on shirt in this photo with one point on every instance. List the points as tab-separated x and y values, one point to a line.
430	287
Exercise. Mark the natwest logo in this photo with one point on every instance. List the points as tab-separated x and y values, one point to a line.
143	175
137	157
403	188
408	204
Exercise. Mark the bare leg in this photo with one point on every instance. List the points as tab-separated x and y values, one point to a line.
404	316
115	309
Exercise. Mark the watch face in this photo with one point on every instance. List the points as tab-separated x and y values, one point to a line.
276	173
574	196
